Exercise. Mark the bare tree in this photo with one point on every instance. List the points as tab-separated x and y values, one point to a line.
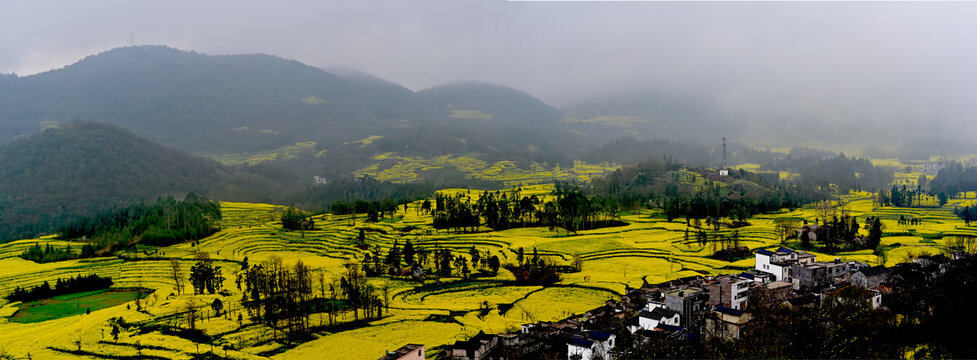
824	211
177	272
786	226
191	309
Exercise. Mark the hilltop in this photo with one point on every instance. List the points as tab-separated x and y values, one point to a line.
81	166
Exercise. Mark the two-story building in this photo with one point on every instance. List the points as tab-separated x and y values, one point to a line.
778	262
689	303
729	291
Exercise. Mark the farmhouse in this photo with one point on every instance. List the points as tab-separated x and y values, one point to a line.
870	277
688	303
817	275
778	262
591	345
726	323
649	320
476	348
729	291
406	352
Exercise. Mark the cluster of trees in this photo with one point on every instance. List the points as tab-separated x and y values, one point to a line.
571	209
279	296
903	197
205	276
295	219
161	223
954	179
61	287
535	271
374	210
824	169
841	232
413	262
50	253
967	213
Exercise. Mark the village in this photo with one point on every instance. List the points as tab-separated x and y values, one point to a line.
692	309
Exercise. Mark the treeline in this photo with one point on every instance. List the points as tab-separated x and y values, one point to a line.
364	188
967	213
61	287
50	253
160	223
571	209
954	179
819	168
702	194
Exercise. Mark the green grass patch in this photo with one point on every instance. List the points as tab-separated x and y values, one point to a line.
74	304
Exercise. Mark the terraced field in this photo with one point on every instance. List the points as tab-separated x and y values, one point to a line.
648	249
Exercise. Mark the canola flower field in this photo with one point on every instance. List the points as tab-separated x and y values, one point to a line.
648	249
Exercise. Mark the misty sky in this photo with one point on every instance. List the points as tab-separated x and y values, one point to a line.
844	64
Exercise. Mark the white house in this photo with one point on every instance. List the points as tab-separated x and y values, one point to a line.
649	320
596	343
778	262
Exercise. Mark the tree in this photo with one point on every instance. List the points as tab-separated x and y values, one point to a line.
217	306
292	218
177	272
190	307
409	253
786	227
494	264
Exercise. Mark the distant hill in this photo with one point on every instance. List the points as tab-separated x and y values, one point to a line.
81	166
495	104
649	116
202	103
224	104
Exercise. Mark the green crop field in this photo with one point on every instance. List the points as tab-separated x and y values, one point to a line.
648	249
73	304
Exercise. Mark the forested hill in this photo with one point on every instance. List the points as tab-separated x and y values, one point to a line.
189	100
218	104
495	104
81	166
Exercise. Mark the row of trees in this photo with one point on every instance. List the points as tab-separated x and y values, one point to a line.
61	287
408	261
571	209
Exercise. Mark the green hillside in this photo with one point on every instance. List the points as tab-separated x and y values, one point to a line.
81	166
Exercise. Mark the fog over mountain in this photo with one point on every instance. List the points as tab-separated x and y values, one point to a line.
889	70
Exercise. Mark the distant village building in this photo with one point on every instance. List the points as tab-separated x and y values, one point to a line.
319	180
406	352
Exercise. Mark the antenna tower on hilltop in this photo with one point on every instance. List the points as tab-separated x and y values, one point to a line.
724	171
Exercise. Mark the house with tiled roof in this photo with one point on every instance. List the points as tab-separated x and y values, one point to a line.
592	344
870	277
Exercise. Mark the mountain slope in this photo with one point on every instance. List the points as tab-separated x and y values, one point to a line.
192	101
495	104
82	166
